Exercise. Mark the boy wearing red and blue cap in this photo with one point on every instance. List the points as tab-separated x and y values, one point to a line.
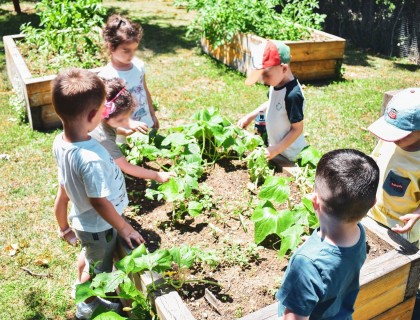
398	157
284	108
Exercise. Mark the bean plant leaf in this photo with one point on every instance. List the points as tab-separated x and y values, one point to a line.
176	139
194	208
171	190
85	291
290	239
275	189
309	155
158	261
268	221
109	315
127	263
108	281
184	256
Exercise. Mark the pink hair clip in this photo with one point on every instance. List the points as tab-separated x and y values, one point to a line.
110	106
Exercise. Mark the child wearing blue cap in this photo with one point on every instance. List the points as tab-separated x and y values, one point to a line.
284	108
398	157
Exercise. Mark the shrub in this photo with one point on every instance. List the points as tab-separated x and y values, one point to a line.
219	20
69	35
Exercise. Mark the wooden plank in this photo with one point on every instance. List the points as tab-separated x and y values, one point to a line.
403	311
267	313
14	54
380	285
49	119
168	303
394	239
379	304
382	266
171	307
40	98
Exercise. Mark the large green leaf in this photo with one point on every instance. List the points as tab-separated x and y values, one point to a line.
109	315
158	261
194	208
275	189
126	264
268	221
309	155
176	139
184	256
85	291
290	239
109	281
171	190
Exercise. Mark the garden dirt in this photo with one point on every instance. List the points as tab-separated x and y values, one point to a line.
248	282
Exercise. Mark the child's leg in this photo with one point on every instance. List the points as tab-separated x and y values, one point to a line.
82	268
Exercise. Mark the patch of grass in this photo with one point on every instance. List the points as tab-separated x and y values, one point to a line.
182	80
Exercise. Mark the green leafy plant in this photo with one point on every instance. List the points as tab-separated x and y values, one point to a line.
219	20
191	149
258	166
69	35
288	224
173	264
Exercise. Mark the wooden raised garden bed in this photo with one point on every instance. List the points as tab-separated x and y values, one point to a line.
389	282
34	91
311	59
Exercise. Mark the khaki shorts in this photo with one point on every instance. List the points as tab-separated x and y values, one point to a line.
98	248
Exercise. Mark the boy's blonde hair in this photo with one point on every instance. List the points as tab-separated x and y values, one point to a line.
75	92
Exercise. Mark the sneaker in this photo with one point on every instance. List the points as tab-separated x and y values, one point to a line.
111	306
73	289
85	310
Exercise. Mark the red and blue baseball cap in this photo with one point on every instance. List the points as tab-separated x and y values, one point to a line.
268	54
401	116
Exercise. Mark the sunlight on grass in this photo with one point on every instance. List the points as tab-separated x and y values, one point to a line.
182	81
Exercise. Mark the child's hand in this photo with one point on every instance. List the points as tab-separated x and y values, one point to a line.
138	126
409	221
129	234
270	152
162	177
69	236
244	122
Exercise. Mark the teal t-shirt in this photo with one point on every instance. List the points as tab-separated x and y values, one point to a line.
322	280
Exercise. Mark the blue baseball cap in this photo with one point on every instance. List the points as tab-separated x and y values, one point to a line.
401	116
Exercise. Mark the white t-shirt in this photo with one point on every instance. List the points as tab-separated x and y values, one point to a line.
135	84
86	170
285	106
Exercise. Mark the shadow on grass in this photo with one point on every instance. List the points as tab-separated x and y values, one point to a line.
10	23
356	57
407	66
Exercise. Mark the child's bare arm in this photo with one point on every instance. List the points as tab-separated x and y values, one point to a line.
409	221
246	120
142	173
60	210
295	130
156	124
107	211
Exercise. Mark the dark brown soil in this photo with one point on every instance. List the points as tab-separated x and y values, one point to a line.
245	288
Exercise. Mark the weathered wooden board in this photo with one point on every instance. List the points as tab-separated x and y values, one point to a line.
168	303
310	59
35	91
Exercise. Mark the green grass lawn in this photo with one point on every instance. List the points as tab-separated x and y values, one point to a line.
182	80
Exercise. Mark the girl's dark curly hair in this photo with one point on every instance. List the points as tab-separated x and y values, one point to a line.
125	102
119	30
